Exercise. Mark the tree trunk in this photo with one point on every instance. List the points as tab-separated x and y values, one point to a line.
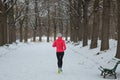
71	24
26	21
36	21
76	21
3	24
85	23
11	25
48	29
60	22
105	25
66	32
1	30
40	29
61	25
21	33
118	26
80	30
21	29
95	31
54	25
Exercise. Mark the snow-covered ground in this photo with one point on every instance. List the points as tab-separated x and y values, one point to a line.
37	61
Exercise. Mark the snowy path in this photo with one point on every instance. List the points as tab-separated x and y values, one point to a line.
37	61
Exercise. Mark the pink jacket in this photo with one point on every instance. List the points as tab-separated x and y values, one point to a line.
59	44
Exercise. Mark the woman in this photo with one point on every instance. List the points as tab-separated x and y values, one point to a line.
60	48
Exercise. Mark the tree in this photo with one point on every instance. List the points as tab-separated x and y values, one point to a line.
118	27
95	31
48	29
80	33
60	22
75	19
36	20
2	10
20	21
54	24
11	24
26	20
40	28
71	24
105	25
67	29
85	22
21	29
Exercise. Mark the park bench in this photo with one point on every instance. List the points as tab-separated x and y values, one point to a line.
110	72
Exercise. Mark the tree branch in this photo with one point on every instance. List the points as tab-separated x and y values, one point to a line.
7	11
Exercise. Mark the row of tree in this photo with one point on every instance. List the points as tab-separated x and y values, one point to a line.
100	21
80	20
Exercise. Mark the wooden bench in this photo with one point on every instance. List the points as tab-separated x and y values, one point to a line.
110	72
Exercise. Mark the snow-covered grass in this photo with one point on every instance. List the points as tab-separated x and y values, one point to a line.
37	61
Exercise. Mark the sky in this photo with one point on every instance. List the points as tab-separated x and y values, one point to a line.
37	61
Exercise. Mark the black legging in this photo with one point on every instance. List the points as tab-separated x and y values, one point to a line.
59	58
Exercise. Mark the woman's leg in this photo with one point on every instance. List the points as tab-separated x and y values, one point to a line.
59	58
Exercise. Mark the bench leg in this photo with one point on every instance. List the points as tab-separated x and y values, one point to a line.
115	76
101	73
104	75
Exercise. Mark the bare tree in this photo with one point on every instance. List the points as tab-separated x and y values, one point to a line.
40	28
118	27
75	16
5	8
71	25
48	29
105	25
11	24
21	29
2	23
55	23
67	30
36	21
95	31
26	21
85	22
80	33
19	12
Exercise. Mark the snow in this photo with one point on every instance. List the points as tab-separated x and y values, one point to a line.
37	61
